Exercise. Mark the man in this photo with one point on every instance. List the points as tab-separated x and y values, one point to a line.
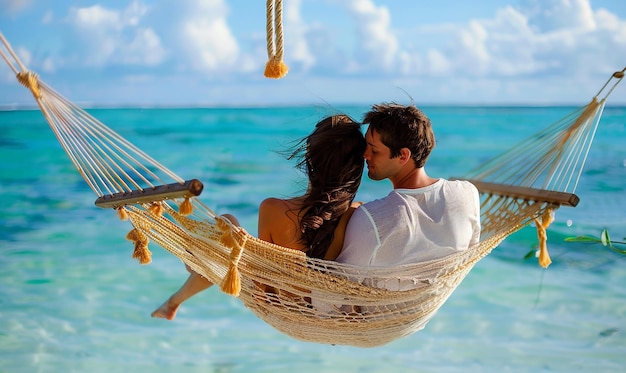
423	218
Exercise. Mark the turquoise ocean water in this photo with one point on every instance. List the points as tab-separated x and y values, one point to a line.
73	300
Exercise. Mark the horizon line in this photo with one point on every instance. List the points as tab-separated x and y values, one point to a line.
91	105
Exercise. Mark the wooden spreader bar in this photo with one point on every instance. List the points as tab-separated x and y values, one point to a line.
560	198
190	188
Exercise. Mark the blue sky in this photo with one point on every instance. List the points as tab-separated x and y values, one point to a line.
213	52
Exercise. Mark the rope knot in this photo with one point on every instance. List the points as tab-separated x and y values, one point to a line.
30	80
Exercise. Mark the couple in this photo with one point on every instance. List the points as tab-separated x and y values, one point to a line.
422	219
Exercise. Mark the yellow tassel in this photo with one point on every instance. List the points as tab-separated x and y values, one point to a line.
232	282
185	207
275	68
142	253
542	234
544	257
133	235
122	213
156	208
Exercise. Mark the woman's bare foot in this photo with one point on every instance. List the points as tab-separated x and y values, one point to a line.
194	284
167	310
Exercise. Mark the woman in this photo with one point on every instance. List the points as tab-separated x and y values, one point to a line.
332	157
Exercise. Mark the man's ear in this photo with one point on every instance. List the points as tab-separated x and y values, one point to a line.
405	155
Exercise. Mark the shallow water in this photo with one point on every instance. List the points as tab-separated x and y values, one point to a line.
73	300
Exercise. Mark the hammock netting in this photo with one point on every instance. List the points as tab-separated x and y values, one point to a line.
310	299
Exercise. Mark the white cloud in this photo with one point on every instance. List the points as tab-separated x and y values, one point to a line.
557	37
109	36
297	43
144	49
438	64
134	13
196	33
200	33
97	18
377	46
210	43
96	27
550	15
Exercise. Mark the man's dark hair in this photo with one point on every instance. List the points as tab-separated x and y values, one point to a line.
400	127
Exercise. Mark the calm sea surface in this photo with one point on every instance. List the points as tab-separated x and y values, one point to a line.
73	300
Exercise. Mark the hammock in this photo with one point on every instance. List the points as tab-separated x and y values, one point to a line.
315	300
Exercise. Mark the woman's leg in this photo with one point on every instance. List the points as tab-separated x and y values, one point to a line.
194	284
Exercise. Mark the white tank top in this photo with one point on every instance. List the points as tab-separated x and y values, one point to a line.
413	225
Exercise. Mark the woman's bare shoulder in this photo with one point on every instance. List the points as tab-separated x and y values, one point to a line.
278	222
279	211
275	206
272	202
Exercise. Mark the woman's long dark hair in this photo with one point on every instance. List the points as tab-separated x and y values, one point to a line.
332	157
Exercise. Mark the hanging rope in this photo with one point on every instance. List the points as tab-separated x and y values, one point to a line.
275	67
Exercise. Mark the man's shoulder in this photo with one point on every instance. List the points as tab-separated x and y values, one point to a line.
463	193
462	184
377	202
